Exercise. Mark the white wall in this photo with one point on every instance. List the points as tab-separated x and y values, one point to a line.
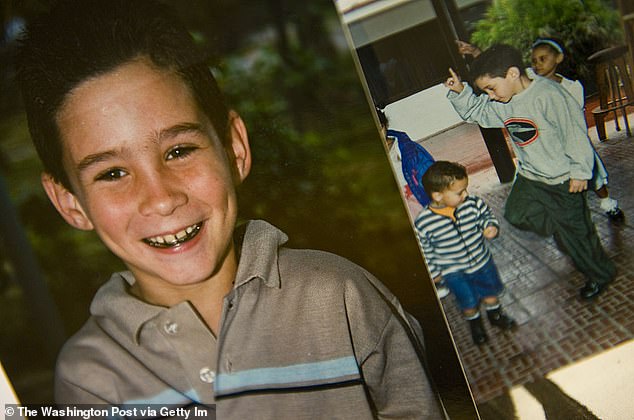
370	21
393	17
423	114
7	395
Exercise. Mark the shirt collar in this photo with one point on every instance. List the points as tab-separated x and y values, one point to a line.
114	302
259	253
446	211
260	242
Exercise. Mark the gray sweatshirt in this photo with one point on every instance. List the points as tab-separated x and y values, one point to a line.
546	126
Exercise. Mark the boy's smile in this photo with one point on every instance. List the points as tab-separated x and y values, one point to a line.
170	241
151	176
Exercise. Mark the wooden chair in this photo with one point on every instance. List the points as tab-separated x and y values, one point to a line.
614	83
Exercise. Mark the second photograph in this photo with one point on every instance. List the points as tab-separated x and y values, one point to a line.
503	122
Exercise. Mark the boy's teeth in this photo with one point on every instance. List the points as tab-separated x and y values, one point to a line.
171	240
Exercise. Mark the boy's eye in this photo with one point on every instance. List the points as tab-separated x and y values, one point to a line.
179	152
111	175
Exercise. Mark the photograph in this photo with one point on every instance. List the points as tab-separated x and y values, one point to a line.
503	122
200	216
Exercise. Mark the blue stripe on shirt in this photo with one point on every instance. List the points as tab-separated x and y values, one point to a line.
168	396
344	368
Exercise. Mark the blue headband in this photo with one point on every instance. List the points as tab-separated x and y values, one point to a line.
550	42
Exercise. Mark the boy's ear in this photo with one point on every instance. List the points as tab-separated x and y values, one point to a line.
513	72
66	203
436	196
240	151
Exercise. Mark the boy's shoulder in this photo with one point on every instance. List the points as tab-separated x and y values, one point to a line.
88	365
264	254
327	275
425	215
475	200
546	88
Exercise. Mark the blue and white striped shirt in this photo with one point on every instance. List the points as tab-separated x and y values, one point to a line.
452	246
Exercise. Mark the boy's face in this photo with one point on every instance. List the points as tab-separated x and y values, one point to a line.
500	89
454	195
150	175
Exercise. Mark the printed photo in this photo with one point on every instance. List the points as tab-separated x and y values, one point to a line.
508	130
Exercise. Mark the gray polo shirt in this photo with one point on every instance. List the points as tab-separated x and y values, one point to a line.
304	334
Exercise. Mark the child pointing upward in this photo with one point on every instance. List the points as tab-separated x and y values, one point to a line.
555	157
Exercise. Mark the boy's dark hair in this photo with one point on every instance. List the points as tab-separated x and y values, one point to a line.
82	39
496	61
441	174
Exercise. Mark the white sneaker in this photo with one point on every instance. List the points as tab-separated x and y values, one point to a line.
443	291
608	204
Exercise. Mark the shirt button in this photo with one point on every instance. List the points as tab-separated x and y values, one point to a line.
207	375
170	327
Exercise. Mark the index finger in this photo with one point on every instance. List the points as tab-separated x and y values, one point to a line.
453	73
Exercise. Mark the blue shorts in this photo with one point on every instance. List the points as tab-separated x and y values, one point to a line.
470	288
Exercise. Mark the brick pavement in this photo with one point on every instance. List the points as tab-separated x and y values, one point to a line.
555	327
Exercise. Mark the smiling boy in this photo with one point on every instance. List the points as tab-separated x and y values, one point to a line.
156	186
555	156
138	145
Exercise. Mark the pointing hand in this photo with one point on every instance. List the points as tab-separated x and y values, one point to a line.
454	82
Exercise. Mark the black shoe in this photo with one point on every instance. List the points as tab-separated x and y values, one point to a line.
500	320
592	289
616	215
478	334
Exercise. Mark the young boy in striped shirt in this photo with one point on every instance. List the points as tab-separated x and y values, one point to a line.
452	230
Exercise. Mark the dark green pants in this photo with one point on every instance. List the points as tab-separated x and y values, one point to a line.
551	210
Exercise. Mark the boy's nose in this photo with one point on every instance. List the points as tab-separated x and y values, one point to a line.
159	195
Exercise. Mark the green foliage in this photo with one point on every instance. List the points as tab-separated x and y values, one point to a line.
70	260
315	152
585	26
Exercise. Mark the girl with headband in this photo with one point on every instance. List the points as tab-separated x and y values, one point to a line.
547	55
